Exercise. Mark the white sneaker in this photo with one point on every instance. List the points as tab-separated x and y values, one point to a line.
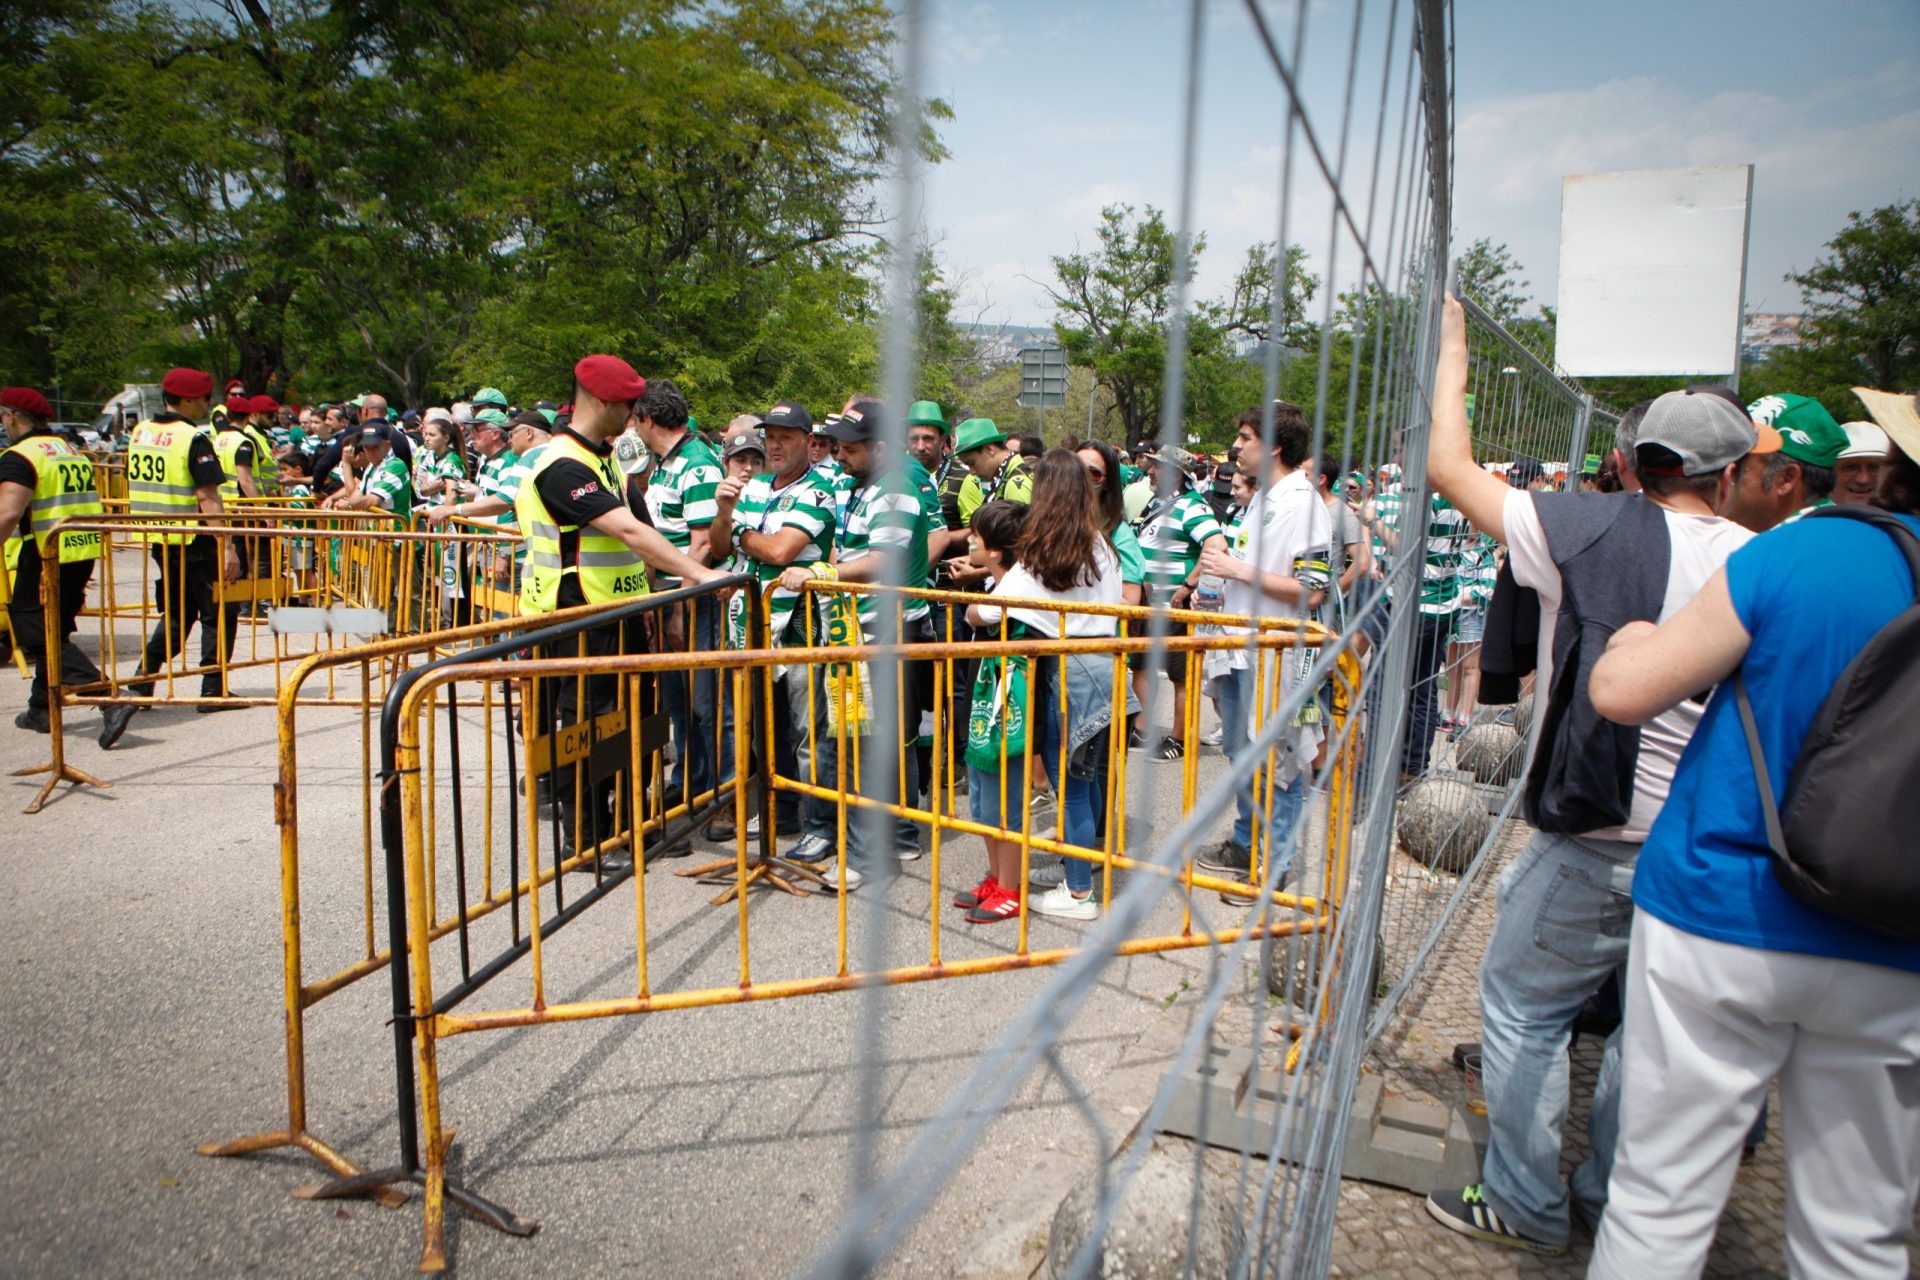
1059	901
854	879
753	827
810	849
1213	739
1048	876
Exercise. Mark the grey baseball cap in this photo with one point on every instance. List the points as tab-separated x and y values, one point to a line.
1704	430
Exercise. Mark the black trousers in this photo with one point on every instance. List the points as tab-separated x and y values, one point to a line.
28	616
1431	632
185	593
570	700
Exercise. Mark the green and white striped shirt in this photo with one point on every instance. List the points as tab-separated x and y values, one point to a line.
806	504
492	481
888	513
680	495
1172	531
1448	539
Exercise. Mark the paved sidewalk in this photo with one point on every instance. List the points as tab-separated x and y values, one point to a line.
1385	1232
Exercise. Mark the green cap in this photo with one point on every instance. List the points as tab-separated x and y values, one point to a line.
490	395
975	432
1591	467
492	417
551	415
1808	432
926	413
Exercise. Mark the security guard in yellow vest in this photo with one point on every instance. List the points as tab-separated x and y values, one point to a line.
173	469
586	546
266	468
44	480
239	457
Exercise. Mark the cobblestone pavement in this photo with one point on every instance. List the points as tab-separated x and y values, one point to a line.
1386	1232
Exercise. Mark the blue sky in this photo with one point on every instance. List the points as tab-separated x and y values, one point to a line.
1063	106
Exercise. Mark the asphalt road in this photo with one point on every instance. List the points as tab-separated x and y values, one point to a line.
142	1016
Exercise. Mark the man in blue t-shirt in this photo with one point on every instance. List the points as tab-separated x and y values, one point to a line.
1732	981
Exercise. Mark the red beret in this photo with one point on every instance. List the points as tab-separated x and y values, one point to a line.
263	404
238	406
27	400
610	379
187	384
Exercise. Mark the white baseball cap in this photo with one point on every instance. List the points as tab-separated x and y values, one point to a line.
1865	440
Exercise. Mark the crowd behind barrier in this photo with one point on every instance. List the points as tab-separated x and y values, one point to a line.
777	680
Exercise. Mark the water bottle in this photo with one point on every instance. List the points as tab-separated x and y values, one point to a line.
1209	592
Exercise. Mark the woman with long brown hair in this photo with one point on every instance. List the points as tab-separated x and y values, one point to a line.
1064	556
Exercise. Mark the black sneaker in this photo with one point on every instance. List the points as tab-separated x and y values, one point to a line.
1169	749
1226	859
1134	740
34	718
1465	1209
113	722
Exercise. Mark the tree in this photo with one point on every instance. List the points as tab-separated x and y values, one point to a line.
1115	308
1249	308
1490	275
1863	298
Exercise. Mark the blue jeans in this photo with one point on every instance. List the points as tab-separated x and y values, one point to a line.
1236	693
692	702
1075	789
819	817
1565	916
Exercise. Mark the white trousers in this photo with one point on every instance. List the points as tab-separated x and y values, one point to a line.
1708	1026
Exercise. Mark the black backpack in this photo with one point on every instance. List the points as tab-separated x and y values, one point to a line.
1845	839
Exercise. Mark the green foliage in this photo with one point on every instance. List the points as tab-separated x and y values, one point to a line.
1863	314
1490	275
1114	306
417	198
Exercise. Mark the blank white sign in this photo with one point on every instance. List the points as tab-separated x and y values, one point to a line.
1653	269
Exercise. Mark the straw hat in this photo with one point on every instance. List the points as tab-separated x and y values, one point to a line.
1898	414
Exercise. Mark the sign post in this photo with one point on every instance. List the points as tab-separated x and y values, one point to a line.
1043	381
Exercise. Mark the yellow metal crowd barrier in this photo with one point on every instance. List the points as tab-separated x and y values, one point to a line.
600	745
333	577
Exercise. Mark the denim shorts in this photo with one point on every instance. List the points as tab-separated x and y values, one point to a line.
1469	626
983	792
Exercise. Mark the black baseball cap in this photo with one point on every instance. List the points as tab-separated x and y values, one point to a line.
863	420
789	415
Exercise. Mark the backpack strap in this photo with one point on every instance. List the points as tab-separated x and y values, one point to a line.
1776	838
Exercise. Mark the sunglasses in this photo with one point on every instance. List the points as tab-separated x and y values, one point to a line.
1097	475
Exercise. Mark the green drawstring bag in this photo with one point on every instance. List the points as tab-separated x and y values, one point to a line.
998	713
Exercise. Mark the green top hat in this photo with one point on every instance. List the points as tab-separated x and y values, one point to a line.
926	413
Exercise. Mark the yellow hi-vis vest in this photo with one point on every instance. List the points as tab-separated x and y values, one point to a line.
227	446
607	570
266	469
62	490
158	481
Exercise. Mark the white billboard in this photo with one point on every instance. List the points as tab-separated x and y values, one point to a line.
1653	270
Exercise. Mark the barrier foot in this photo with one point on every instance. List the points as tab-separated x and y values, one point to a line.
392	1197
61	772
779	872
433	1257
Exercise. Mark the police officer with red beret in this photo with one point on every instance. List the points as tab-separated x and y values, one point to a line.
173	469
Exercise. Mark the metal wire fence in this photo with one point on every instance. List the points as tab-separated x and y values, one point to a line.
1385	208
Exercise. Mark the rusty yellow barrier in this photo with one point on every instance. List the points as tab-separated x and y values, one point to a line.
289	556
427	1014
301	992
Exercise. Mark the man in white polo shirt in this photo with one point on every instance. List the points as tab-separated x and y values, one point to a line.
1276	567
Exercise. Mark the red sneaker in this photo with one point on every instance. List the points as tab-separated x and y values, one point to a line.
1003	905
978	894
